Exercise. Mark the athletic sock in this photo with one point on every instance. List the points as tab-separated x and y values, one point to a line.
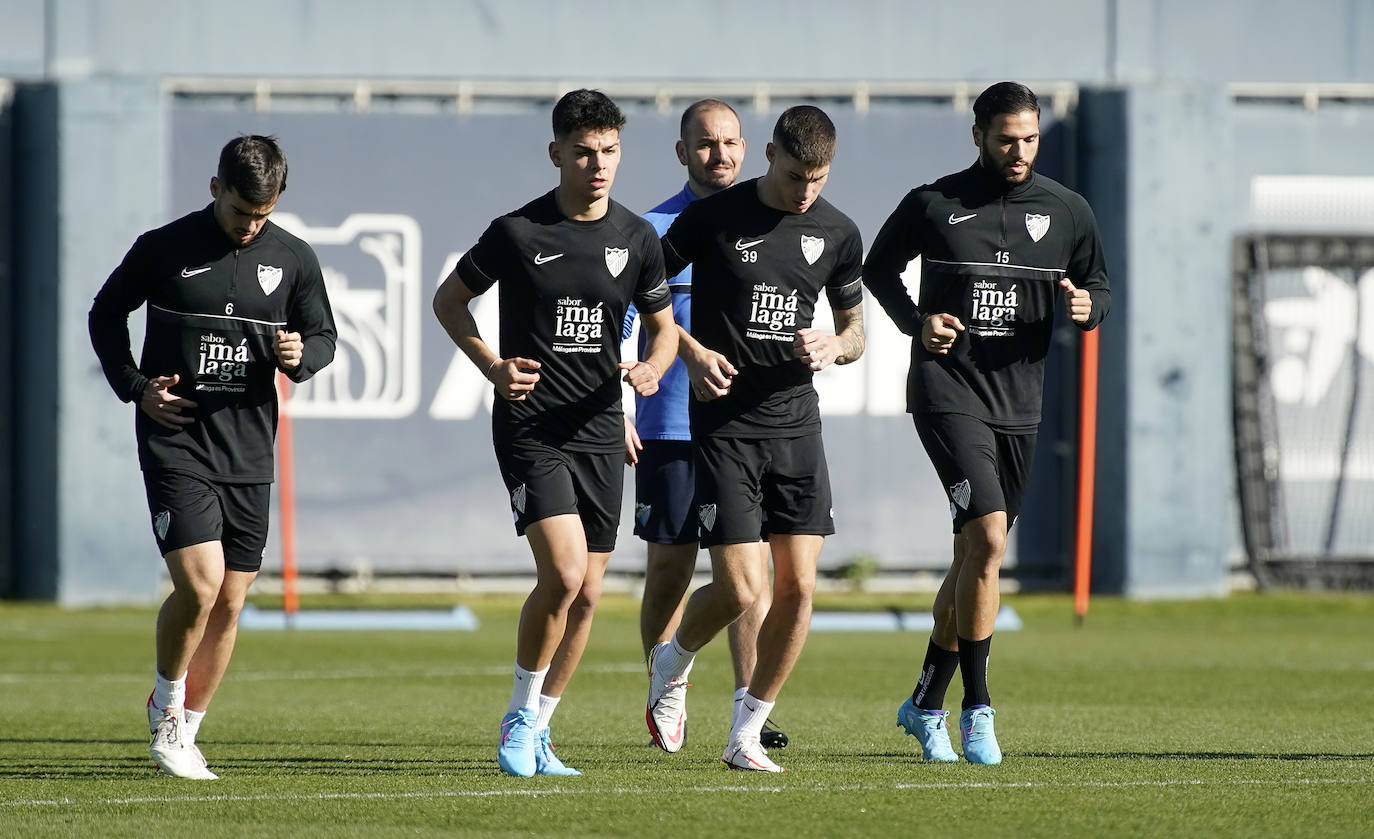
192	725
734	711
973	666
547	705
675	659
936	673
168	693
752	715
526	692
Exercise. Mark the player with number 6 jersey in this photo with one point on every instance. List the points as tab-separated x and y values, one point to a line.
232	299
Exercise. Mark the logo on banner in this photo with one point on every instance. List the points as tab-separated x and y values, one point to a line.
812	246
371	267
269	277
1037	225
616	259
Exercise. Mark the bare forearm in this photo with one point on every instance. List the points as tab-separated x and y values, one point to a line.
451	309
853	338
662	349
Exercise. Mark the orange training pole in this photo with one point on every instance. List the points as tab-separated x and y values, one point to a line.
1087	464
286	489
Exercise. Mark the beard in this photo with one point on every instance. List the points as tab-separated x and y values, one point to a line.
1002	171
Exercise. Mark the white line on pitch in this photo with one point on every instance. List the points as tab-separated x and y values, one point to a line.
335	675
535	793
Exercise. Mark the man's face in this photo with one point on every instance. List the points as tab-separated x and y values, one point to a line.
1009	145
587	160
240	220
791	185
712	151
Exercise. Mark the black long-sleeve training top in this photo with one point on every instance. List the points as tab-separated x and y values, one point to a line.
992	257
213	314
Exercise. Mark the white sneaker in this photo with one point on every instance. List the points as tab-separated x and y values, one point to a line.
666	711
155	715
171	751
749	756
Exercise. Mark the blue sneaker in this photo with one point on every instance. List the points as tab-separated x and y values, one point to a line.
545	761
930	730
980	744
516	750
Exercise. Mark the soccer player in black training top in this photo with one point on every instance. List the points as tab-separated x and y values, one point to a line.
712	149
761	252
569	263
999	243
232	299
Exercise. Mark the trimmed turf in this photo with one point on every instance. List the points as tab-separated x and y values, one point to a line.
1242	717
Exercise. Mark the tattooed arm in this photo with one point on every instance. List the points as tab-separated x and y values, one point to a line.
820	350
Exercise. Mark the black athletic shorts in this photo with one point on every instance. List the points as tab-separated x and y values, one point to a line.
546	481
665	488
777	485
188	510
983	470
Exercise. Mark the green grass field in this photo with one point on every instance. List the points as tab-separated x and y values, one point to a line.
1250	716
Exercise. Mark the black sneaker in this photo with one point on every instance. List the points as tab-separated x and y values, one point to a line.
771	738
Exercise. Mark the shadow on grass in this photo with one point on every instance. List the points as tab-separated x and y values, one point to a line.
1201	755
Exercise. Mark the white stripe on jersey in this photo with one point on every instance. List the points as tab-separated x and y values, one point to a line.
221	317
999	265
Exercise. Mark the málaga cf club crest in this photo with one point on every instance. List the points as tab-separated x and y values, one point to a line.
812	246
616	259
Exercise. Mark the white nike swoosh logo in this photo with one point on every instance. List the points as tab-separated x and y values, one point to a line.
540	259
741	245
953	220
187	272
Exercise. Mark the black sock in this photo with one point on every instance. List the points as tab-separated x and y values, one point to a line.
936	674
973	666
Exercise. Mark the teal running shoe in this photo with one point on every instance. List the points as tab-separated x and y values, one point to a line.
980	744
545	761
930	729
516	751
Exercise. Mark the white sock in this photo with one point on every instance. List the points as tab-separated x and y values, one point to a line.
526	692
547	705
192	725
752	714
675	660
734	711
168	693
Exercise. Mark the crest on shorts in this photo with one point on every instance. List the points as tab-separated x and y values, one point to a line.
707	514
269	277
812	246
161	522
517	499
1036	225
961	493
616	259
642	513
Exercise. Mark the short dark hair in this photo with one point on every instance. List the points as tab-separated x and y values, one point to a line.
699	106
585	110
253	166
1003	98
807	134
